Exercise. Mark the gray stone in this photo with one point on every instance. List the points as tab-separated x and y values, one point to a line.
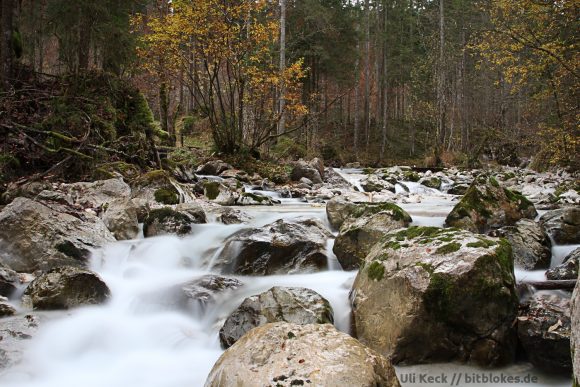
293	305
284	354
64	288
563	225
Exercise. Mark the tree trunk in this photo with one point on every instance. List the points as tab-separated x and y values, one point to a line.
441	84
6	52
282	100
367	108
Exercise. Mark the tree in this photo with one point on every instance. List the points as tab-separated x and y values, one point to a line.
235	77
6	48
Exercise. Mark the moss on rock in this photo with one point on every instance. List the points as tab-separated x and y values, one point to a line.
376	271
167	195
211	189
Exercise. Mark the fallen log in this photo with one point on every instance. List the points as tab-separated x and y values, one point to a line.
551	284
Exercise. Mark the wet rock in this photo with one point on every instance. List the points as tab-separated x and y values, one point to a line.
15	331
252	199
121	218
64	288
282	247
374	184
486	206
213	168
166	221
35	236
302	169
6	309
544	332
317	164
219	193
563	225
431	182
232	216
568	269
428	294
284	354
458	189
8	281
575	333
530	245
338	210
293	305
204	290
367	224
194	211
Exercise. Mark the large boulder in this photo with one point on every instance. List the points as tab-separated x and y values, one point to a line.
575	334
367	224
486	206
282	247
562	225
303	169
293	305
568	269
530	244
64	288
284	354
428	294
544	332
338	209
213	168
34	235
374	184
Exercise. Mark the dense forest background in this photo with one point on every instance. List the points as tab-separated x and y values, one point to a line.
384	81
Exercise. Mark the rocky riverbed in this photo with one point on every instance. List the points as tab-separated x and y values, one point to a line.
146	280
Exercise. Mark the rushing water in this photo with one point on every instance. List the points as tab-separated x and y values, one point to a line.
142	338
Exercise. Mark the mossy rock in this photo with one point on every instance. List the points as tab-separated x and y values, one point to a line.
411	176
166	221
486	206
155	178
424	295
167	195
432	182
112	170
211	189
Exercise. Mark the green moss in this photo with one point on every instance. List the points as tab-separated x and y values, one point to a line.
257	198
212	189
433	182
167	195
365	209
428	267
424	232
440	296
368	171
411	176
493	182
482	242
376	271
521	200
291	335
504	255
448	248
158	176
392	245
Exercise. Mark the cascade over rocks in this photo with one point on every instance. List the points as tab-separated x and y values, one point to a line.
427	294
65	287
486	205
284	354
568	269
562	225
8	280
366	225
530	245
544	332
38	236
282	247
15	332
294	305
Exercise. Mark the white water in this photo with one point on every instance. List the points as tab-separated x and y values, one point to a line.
141	338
